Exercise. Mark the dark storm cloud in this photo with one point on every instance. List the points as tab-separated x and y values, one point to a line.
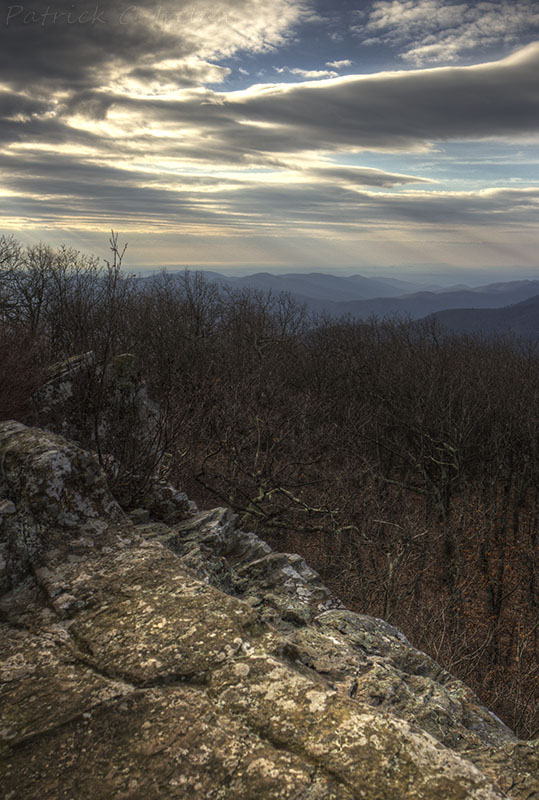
109	189
49	133
87	193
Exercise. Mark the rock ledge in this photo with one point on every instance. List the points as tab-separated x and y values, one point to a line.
172	661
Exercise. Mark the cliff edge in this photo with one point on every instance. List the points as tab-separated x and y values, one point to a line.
142	660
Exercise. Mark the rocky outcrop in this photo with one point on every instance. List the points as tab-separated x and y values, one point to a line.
84	400
49	489
105	406
189	660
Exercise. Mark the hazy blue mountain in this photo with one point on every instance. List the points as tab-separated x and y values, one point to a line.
509	286
403	287
421	304
321	286
521	319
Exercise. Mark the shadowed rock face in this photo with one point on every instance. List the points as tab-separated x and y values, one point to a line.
183	661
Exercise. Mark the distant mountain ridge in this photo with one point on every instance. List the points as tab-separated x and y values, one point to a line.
364	297
422	304
520	319
318	286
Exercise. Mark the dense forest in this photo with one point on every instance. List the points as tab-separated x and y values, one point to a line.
402	462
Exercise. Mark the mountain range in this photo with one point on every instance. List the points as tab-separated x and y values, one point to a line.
491	308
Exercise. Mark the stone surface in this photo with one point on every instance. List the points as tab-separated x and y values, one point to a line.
155	661
7	508
164	502
283	586
58	490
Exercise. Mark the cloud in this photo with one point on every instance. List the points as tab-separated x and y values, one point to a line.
442	31
404	111
345	62
399	111
93	45
99	189
361	176
303	197
308	74
116	123
286	206
172	74
156	104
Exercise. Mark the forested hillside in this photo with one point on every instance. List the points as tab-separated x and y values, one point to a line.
403	464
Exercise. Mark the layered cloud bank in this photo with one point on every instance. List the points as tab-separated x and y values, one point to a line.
123	116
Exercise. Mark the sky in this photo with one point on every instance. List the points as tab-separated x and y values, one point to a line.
374	136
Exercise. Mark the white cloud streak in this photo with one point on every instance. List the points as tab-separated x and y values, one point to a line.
308	74
345	62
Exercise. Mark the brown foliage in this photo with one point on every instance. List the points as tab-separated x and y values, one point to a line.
20	372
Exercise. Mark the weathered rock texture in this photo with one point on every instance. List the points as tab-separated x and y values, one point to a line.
153	661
